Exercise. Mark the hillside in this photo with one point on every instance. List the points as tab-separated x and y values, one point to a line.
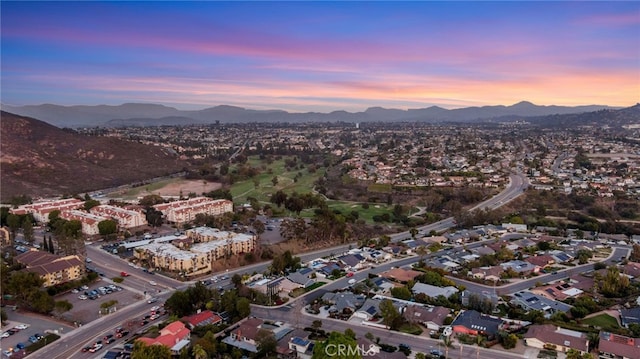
158	115
39	159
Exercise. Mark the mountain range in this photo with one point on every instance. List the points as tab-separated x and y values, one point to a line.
140	114
39	159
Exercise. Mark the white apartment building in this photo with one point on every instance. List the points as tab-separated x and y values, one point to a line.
89	221
126	218
185	211
41	210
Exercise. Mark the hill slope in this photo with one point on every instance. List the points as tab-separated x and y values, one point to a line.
39	159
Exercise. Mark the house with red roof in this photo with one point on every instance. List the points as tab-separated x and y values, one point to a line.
205	317
175	336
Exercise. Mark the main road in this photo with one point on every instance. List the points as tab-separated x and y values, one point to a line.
70	343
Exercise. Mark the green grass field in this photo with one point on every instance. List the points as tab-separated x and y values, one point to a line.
602	321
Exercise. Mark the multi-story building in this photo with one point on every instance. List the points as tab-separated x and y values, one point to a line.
52	268
126	218
41	210
212	245
180	212
89	221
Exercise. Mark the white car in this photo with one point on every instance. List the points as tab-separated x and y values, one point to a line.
82	297
152	283
74	291
5	335
22	326
154	308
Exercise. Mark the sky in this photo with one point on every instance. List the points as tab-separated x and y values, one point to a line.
320	56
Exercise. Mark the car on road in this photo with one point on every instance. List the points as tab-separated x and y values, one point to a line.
152	300
86	349
22	326
350	274
404	346
124	274
107	337
152	282
436	354
110	340
95	348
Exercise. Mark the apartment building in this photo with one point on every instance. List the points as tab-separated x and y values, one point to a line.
199	258
126	218
41	210
185	211
89	221
53	269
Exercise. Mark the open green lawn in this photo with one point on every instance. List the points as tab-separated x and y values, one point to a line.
241	190
602	321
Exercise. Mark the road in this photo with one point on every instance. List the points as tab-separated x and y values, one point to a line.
138	281
418	344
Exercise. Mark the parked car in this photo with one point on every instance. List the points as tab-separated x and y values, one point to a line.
22	326
20	346
33	339
5	335
82	297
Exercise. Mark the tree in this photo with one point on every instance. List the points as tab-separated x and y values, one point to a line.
90	203
144	351
509	341
14	222
151	200
63	305
391	317
265	343
52	249
243	307
179	304
350	333
153	217
236	279
401	293
316	324
199	352
41	302
107	227
27	230
3	316
274	180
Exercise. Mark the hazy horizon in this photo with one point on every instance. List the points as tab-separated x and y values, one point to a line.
320	56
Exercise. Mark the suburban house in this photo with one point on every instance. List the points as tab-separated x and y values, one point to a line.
521	267
301	277
180	212
616	346
302	347
541	261
343	302
632	270
175	336
531	301
353	262
371	309
492	273
244	337
401	275
473	323
430	317
205	317
628	316
433	291
51	268
550	337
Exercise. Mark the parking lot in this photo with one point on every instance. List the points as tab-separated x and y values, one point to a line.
35	324
86	310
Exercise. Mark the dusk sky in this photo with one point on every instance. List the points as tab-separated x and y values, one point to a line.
320	56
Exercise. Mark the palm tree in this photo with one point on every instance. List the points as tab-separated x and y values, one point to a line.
199	352
446	340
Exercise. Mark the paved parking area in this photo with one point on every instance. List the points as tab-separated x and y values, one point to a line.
37	324
87	310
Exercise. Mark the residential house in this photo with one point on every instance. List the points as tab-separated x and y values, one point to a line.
89	221
541	261
52	269
401	275
550	337
433	291
301	346
343	302
174	336
521	267
531	301
560	256
614	346
369	310
205	317
244	337
473	323
382	284
353	262
430	317
632	270
628	316
328	268
492	273
301	277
